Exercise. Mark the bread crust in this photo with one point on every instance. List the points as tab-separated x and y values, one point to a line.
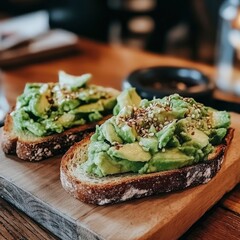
122	187
31	148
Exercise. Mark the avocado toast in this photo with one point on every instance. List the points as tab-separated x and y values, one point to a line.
49	117
146	148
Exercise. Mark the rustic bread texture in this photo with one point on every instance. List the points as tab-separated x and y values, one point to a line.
122	187
31	148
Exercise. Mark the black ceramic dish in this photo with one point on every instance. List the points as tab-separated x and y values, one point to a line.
162	81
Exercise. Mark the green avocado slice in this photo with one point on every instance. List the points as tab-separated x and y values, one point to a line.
130	151
170	159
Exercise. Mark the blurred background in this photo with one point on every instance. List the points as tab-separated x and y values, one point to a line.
182	28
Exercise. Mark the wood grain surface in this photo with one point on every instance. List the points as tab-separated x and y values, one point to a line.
36	190
16	225
232	201
219	223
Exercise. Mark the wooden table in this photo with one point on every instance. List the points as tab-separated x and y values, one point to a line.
109	66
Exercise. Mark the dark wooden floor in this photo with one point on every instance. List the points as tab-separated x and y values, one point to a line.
220	222
16	225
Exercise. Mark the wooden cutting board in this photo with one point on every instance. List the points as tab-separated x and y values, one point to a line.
35	188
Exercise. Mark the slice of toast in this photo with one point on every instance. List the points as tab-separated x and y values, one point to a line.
32	148
122	187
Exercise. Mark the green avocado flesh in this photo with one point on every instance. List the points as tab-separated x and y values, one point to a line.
149	136
47	108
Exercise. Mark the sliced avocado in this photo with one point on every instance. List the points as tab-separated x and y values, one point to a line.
208	149
69	104
87	108
149	144
185	139
57	106
129	151
22	121
174	142
52	126
170	159
179	107
99	146
101	165
217	135
198	139
193	151
130	166
109	133
133	97
109	103
36	128
39	105
166	134
188	150
72	82
90	94
106	164
129	97
79	121
182	124
30	92
220	119
126	133
125	112
98	135
66	120
95	116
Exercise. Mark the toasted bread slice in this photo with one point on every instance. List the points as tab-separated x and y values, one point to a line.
32	148
122	187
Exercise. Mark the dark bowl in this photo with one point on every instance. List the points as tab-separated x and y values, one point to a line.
162	81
